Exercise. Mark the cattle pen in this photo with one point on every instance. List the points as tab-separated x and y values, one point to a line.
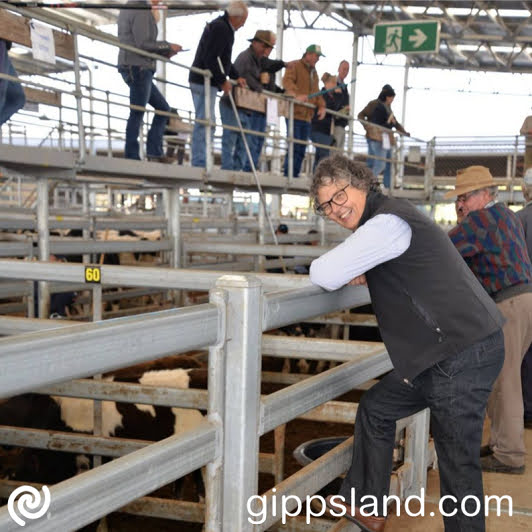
240	308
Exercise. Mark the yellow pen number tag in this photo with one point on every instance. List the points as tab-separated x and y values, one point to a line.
93	274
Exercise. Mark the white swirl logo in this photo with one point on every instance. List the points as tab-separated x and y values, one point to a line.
29	504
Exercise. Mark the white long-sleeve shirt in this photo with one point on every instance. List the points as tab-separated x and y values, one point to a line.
380	239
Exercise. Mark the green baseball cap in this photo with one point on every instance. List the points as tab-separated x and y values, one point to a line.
314	49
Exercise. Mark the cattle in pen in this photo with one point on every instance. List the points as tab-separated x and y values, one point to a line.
66	414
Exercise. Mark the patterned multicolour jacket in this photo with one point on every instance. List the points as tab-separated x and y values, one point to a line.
492	242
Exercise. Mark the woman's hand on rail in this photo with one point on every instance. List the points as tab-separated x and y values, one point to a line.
358	280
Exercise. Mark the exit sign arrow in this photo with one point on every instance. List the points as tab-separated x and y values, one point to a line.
418	38
407	37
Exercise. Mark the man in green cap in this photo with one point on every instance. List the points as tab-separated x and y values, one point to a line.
300	82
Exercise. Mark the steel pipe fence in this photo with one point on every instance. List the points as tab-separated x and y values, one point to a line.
232	323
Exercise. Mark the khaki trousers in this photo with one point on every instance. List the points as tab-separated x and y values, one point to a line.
505	405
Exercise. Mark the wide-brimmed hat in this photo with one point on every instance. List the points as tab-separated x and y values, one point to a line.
470	179
263	36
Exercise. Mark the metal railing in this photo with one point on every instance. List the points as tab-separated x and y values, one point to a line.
227	442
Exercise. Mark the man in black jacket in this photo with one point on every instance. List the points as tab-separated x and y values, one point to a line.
215	42
11	93
442	332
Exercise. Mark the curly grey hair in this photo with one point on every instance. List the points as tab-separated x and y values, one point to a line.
338	168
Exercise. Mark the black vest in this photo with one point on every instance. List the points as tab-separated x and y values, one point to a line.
428	303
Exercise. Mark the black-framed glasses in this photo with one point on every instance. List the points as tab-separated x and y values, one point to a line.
338	198
462	198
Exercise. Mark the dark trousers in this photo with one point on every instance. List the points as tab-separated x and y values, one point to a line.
257	122
526	383
142	91
321	153
456	390
302	132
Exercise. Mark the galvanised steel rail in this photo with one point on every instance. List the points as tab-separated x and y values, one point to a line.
232	325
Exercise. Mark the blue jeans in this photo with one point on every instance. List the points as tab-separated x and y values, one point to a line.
526	382
11	93
257	122
302	132
456	390
375	148
198	157
142	91
321	138
234	156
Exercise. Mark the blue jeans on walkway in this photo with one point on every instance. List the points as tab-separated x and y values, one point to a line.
302	132
11	93
321	138
375	148
456	390
526	382
142	91
234	156
257	122
198	157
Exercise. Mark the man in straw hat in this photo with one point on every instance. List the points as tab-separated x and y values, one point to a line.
525	215
442	331
491	240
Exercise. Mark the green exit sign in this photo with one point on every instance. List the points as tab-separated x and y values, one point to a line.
408	37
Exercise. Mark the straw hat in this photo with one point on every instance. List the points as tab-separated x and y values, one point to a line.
471	178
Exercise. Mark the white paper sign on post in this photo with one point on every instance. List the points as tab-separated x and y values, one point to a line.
42	42
272	112
386	144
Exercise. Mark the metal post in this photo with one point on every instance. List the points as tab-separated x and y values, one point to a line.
174	228
290	139
214	484
259	260
401	155
109	141
516	155
161	65
97	405
92	147
44	244
280	37
79	100
321	229
430	162
352	90
208	127
242	403
86	214
417	451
